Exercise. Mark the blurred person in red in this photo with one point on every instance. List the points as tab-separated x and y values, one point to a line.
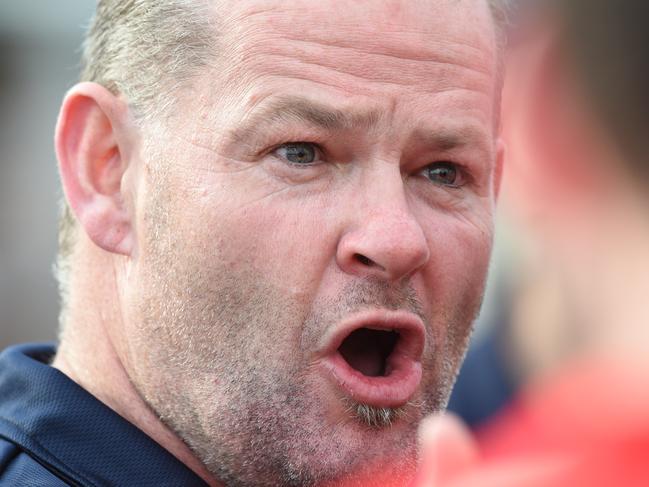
576	117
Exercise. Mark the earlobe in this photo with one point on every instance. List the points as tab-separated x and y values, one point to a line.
92	162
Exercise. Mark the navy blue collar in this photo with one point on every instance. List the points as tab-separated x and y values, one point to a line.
73	434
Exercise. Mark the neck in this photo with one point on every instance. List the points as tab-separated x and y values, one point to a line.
592	289
90	356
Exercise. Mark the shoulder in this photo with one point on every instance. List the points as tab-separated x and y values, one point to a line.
18	468
54	433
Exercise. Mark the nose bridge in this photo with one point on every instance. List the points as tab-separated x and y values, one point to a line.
385	206
392	224
385	239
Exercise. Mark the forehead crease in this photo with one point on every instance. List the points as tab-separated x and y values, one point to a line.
401	45
462	39
338	20
404	67
443	63
351	73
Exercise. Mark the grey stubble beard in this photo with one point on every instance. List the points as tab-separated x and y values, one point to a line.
248	411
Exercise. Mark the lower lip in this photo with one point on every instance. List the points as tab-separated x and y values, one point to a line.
390	391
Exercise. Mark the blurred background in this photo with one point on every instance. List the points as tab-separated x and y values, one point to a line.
39	57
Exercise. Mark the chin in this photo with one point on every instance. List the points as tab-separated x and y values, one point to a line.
381	464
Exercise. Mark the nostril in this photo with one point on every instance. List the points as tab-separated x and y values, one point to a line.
366	261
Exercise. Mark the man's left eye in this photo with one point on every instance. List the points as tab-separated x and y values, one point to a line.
444	173
298	153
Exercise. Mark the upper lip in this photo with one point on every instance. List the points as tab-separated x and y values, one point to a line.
409	326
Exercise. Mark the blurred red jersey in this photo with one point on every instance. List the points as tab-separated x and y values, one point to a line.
587	426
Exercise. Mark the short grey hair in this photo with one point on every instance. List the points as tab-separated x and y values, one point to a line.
146	50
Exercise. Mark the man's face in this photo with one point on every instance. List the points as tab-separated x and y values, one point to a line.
314	228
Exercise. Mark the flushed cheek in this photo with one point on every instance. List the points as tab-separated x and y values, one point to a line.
454	283
459	259
285	242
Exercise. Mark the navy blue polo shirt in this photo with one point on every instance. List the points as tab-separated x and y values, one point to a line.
54	433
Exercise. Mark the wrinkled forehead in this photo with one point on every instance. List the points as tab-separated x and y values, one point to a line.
467	19
365	37
407	59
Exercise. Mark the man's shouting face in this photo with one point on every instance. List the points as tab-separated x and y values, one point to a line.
314	230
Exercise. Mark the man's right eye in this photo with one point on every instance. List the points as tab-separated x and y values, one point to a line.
299	153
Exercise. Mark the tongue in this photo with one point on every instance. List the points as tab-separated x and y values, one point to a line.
367	361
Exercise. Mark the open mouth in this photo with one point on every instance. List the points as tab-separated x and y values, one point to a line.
367	351
375	358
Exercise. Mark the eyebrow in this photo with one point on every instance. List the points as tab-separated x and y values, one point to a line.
291	109
448	139
295	109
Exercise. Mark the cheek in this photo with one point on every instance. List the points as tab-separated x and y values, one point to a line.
460	254
287	243
457	276
454	282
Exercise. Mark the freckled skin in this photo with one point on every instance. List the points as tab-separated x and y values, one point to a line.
245	261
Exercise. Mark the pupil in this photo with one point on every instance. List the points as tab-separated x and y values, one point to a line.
302	154
444	174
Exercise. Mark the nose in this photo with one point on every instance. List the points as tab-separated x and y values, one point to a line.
385	240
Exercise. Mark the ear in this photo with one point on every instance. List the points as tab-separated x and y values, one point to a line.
545	131
529	101
92	148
